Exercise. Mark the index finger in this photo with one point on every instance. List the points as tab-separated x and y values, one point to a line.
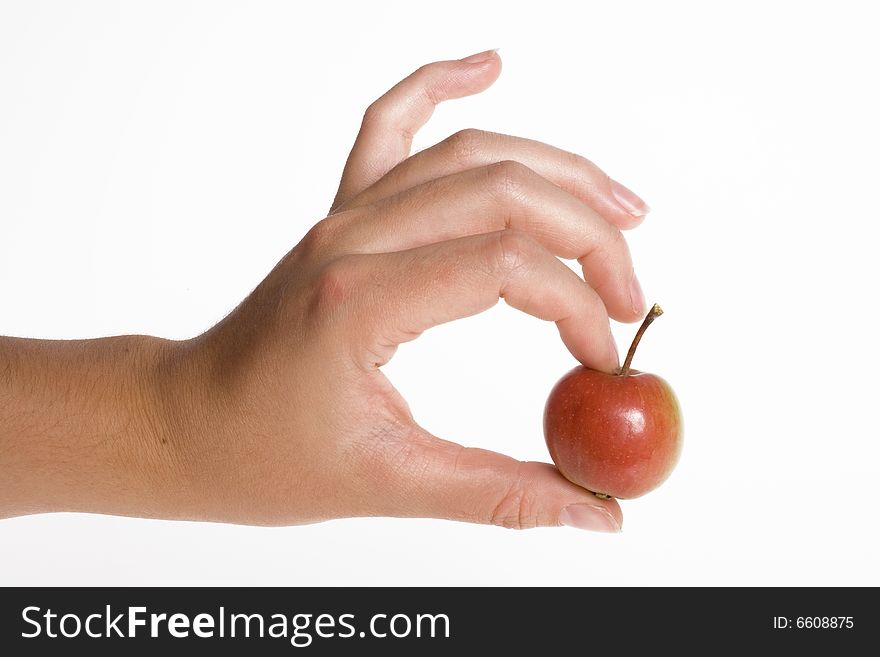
397	296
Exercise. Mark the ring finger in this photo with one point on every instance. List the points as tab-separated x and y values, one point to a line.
469	149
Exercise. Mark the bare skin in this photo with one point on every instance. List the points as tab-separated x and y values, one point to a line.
280	414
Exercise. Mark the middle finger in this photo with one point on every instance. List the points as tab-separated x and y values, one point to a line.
486	199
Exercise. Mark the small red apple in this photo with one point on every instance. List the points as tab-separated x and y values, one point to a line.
618	435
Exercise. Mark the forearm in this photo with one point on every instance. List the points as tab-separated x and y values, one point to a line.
83	425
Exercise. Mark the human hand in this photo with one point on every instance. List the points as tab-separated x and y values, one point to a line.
281	414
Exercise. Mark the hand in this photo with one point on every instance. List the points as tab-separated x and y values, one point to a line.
281	414
290	418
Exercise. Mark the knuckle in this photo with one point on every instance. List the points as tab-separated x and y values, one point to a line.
433	95
328	236
511	250
588	167
517	508
375	111
319	238
583	175
431	74
320	232
424	70
334	286
508	179
465	144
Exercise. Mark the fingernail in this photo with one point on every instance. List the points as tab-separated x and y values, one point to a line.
480	57
637	297
628	200
589	517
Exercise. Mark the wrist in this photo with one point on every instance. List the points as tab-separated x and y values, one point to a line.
170	412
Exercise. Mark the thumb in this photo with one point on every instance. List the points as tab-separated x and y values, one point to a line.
453	482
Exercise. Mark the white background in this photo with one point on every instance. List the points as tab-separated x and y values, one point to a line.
157	159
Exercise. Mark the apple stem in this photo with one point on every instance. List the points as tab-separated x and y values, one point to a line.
653	314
